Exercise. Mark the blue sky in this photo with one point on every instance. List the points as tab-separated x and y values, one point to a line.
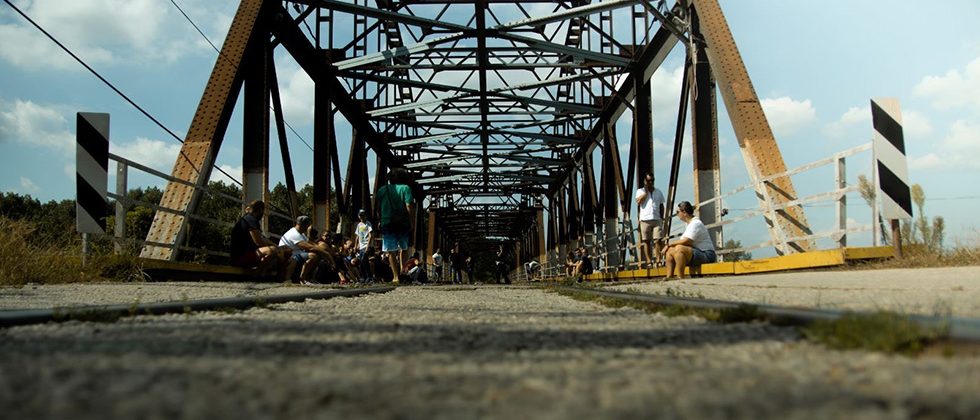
815	65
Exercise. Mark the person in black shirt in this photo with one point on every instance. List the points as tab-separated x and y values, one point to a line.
583	265
249	249
502	267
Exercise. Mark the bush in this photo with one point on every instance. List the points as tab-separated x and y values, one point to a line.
26	256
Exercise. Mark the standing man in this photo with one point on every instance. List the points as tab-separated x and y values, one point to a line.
694	247
364	233
395	202
437	265
249	249
501	264
457	264
651	207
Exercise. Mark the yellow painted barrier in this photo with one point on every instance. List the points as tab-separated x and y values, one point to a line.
816	259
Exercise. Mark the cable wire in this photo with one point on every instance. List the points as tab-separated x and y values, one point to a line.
191	21
111	86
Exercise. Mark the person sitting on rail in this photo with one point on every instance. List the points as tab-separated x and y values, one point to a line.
412	271
305	253
531	268
326	271
583	264
694	247
351	260
249	249
570	261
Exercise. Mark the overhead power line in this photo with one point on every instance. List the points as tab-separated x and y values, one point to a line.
109	84
203	35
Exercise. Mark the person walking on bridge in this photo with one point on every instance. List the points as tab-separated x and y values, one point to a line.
395	202
650	202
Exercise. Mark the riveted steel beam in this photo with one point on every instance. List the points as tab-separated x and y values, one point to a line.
205	134
759	148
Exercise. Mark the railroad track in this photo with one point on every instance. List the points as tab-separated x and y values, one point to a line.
965	330
103	312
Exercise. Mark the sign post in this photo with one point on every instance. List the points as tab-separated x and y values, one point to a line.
891	165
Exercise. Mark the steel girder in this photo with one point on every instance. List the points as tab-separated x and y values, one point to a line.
759	149
479	99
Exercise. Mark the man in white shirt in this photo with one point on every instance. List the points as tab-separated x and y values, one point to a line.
650	202
305	253
693	248
364	235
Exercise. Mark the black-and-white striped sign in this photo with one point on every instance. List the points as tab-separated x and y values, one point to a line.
889	150
91	171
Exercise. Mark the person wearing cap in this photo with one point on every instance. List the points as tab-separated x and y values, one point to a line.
364	235
305	253
650	202
250	249
693	248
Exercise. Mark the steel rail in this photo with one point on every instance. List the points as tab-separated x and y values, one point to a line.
956	329
40	316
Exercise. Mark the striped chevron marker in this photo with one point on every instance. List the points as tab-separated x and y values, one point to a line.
91	173
889	150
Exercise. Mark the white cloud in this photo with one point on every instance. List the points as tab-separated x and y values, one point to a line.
29	123
234	171
957	150
856	122
954	89
106	31
916	126
847	122
157	154
787	116
298	98
665	86
28	186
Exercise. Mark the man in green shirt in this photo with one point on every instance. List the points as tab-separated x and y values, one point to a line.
395	202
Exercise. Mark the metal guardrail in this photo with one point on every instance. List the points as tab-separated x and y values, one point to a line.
628	244
123	203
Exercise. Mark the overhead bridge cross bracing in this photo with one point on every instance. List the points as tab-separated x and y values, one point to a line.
504	112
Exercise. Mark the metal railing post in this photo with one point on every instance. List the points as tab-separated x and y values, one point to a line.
119	231
840	173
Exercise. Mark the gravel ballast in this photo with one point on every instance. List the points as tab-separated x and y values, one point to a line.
442	352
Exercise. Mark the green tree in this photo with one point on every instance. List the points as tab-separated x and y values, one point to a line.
736	255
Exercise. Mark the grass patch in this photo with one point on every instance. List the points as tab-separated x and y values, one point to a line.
87	315
920	256
26	258
883	331
743	313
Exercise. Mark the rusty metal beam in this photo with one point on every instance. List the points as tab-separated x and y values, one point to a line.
759	148
205	134
704	133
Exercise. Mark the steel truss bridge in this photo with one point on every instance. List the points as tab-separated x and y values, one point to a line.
504	112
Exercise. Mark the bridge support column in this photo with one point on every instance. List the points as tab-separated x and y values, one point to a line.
323	137
704	127
255	126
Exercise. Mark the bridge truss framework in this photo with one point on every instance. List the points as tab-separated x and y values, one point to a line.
504	123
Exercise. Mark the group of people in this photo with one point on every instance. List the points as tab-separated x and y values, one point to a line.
459	263
302	254
578	263
692	249
328	258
